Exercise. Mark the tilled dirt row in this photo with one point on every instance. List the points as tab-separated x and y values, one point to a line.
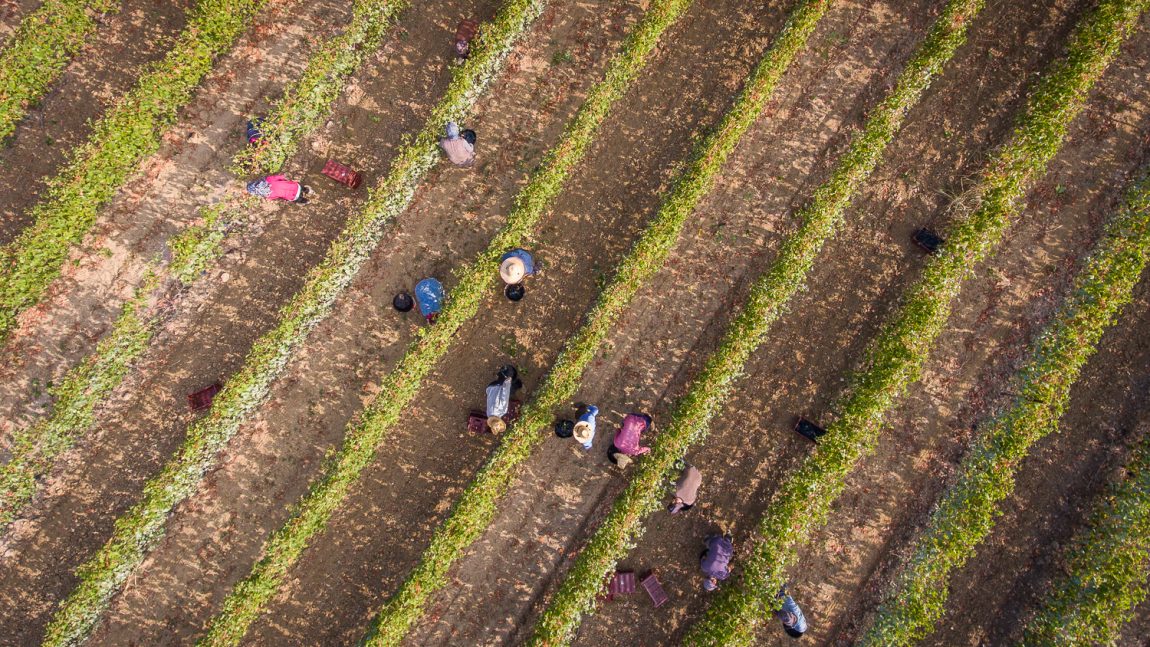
1061	482
215	537
145	423
11	13
971	375
375	539
1057	490
108	65
869	263
188	172
675	322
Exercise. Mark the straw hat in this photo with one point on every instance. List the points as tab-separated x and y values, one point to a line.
622	460
512	270
583	432
496	425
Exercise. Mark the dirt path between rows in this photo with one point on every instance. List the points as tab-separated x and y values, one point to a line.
862	272
216	536
979	355
188	172
376	538
98	481
1058	485
11	13
496	590
108	65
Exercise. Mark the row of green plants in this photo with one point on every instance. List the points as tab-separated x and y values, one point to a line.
476	508
307	104
137	531
130	131
39	50
691	416
1106	568
896	357
194	250
311	516
965	516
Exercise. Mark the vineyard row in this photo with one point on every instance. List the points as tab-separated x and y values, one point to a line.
705	396
138	530
965	515
896	357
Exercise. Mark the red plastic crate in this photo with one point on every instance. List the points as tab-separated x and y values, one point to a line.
342	174
202	399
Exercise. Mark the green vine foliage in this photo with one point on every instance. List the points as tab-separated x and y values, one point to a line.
138	530
194	250
477	506
125	136
284	547
1106	568
896	357
307	103
691	415
40	49
966	513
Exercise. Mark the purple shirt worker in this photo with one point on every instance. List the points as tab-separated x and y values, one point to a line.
716	560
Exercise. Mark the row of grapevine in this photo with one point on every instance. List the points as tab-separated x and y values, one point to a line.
306	103
476	507
43	44
895	359
705	396
966	513
284	547
1107	568
138	530
125	136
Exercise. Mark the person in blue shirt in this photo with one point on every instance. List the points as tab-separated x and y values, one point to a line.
794	622
584	431
429	296
514	266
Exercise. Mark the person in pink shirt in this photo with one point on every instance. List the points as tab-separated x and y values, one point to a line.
278	187
626	442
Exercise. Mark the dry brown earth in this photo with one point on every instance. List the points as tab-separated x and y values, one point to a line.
455	213
103	70
188	172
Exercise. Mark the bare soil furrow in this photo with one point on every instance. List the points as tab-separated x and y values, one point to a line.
108	65
144	424
188	172
216	536
11	13
675	320
799	370
1059	483
407	491
976	359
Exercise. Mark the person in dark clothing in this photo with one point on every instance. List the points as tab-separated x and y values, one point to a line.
791	615
715	560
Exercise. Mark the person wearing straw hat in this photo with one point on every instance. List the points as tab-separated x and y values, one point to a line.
584	432
686	490
514	266
715	560
499	397
626	446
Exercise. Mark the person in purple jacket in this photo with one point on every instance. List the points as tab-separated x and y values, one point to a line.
715	560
